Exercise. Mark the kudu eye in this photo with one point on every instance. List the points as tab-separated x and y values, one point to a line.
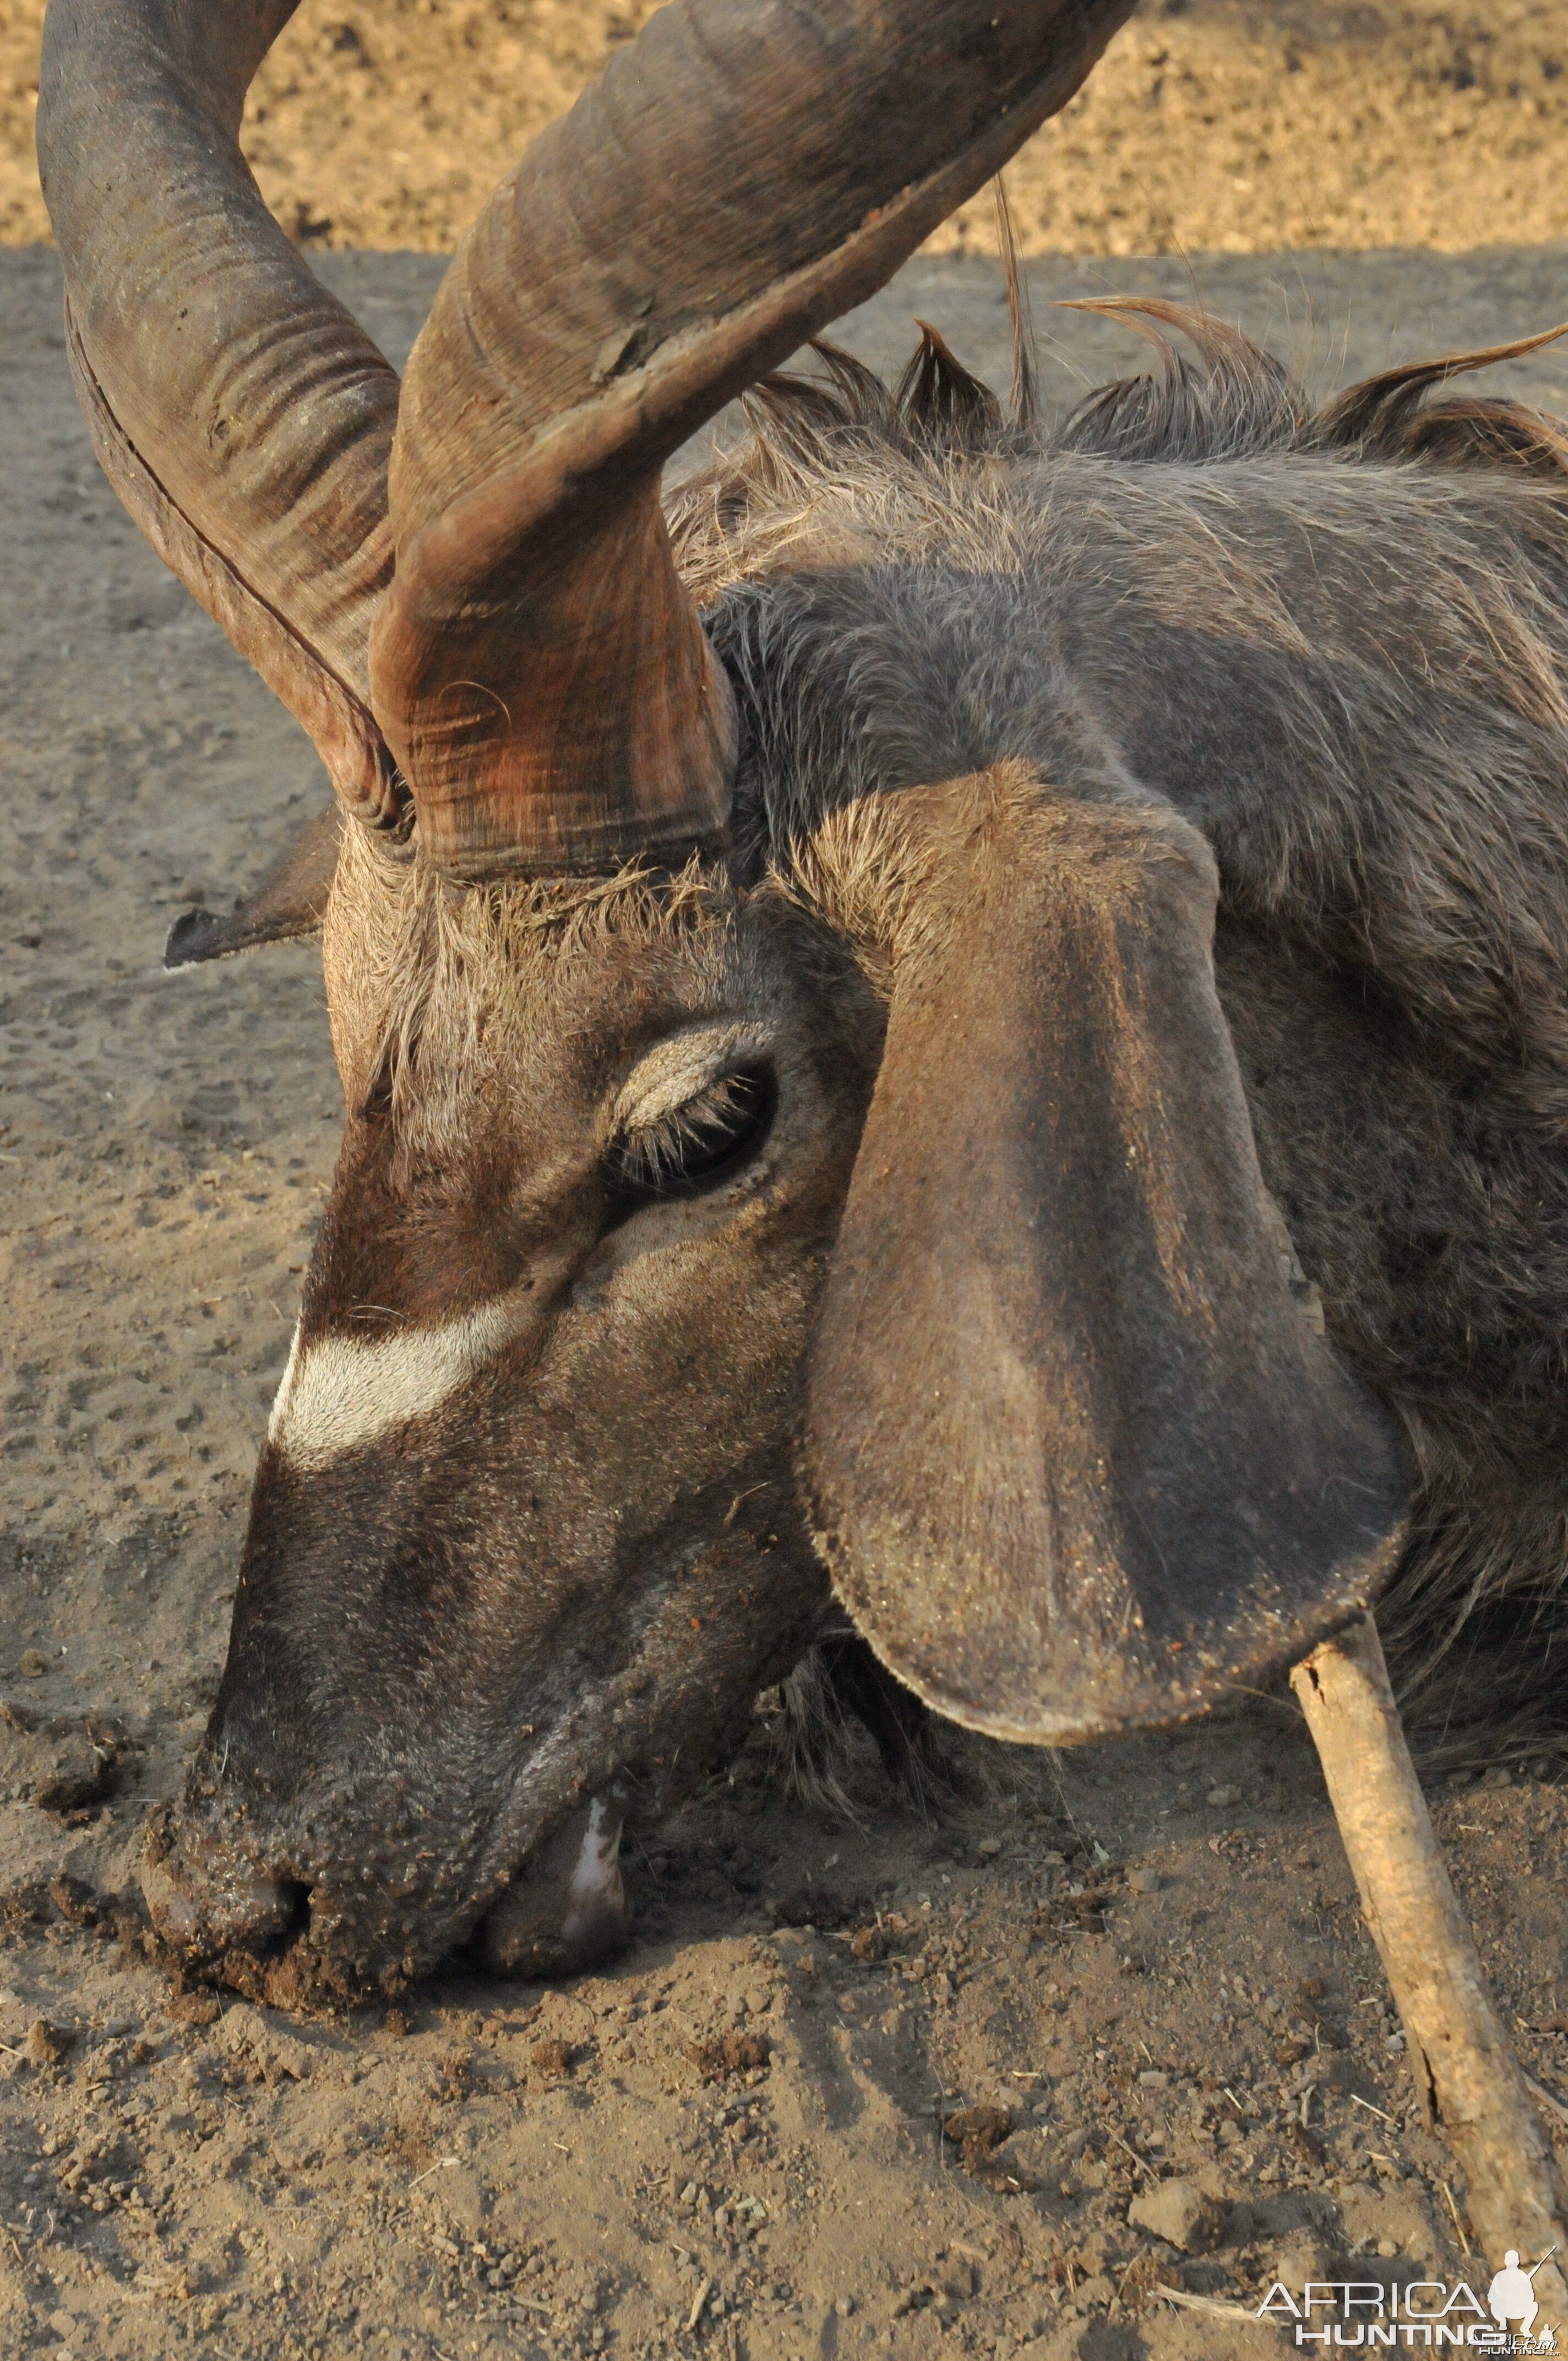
697	1144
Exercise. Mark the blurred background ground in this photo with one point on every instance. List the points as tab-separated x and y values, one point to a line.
1222	126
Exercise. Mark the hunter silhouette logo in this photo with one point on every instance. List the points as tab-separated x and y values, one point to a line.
1424	2315
1511	2297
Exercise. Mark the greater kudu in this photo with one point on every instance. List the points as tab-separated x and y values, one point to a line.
801	1118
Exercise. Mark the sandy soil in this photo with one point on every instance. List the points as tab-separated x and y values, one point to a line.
1146	1959
1228	126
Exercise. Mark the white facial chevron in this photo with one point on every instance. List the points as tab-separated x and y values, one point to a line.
342	1393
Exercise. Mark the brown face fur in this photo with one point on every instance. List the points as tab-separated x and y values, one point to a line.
492	1576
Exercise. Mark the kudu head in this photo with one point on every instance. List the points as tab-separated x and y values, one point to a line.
700	1243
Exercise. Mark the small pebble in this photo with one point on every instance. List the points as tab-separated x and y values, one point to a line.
988	1847
34	1664
844	2306
47	2044
1218	1797
1143	1881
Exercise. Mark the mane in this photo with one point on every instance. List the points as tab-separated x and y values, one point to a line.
1239	401
1230	399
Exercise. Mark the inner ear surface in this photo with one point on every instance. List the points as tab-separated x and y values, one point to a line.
1081	1461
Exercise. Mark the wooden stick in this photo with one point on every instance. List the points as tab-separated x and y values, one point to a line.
1466	2074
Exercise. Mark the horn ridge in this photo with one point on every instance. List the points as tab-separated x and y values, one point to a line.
534	674
242	414
742	173
621	735
337	719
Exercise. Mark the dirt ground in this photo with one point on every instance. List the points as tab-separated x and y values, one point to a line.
1144	1960
1213	125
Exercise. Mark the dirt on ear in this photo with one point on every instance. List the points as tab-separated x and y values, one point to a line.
1210	125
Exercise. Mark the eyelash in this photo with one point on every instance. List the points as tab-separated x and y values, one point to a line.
697	1142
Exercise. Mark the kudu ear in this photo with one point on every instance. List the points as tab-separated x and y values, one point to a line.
1080	1456
289	903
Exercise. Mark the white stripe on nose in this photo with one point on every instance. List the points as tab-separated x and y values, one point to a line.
344	1391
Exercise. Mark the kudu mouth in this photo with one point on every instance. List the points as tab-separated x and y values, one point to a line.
356	1815
219	1911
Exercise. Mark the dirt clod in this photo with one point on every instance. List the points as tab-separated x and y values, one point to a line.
1179	2214
977	2133
729	2053
75	1900
194	2008
85	1768
551	2061
47	2044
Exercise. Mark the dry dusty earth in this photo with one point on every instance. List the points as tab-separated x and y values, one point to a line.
1229	126
1146	1959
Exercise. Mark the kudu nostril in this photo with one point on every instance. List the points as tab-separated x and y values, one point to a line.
205	1898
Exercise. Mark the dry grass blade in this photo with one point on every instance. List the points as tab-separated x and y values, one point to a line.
1204	2303
1458	2225
1467	2076
1133	2152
